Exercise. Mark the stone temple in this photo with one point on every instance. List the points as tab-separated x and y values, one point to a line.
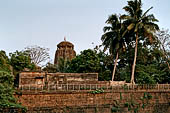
65	50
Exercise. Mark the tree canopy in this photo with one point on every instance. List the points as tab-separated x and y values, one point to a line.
4	62
87	61
112	38
142	25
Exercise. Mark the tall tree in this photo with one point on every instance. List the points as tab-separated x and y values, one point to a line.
142	25
20	61
164	38
112	38
37	54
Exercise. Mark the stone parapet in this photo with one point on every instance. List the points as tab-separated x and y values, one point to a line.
41	79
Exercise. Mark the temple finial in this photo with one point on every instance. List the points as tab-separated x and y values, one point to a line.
64	38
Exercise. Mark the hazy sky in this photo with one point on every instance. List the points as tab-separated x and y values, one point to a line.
46	22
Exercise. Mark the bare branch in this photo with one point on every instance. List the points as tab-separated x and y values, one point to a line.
37	54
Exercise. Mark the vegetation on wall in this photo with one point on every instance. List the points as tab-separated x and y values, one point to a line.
131	104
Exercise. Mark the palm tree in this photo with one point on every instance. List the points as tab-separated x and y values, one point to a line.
112	38
142	25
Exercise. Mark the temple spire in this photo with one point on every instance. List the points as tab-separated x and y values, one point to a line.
65	50
64	38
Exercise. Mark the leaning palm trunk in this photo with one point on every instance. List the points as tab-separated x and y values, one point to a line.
134	61
168	65
113	74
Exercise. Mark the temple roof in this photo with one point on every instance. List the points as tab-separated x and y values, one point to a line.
65	43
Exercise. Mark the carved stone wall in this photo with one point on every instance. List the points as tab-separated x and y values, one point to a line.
71	78
32	78
42	78
65	50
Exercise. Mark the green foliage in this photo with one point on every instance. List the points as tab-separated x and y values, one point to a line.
112	38
114	109
97	91
7	99
150	69
106	65
126	104
4	62
151	66
116	106
120	96
147	96
123	32
86	62
141	25
131	104
145	99
20	60
51	68
63	65
90	61
145	74
16	63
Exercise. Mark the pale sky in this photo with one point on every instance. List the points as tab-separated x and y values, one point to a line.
46	22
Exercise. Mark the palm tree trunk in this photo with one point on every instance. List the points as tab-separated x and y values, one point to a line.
168	65
134	61
113	74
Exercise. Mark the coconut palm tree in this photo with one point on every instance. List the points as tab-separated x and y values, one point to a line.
142	25
112	38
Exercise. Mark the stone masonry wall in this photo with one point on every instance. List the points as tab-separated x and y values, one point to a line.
86	102
42	78
64	78
32	78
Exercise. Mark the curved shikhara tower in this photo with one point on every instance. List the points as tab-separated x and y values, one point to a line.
65	51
